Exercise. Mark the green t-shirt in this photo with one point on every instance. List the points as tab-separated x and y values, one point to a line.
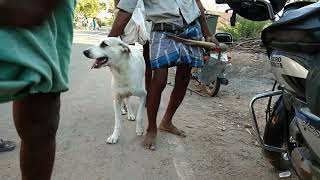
36	60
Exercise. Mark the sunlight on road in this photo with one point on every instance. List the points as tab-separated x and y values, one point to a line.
88	37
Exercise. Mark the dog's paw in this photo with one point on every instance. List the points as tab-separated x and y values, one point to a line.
123	112
131	117
140	132
112	139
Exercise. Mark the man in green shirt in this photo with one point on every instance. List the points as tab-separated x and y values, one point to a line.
36	39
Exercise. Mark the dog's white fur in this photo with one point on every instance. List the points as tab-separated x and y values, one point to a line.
127	67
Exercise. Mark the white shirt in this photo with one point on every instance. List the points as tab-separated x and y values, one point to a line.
165	11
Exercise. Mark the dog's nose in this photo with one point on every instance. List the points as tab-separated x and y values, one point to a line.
86	53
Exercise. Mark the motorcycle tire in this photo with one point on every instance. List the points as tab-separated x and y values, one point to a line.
213	89
274	135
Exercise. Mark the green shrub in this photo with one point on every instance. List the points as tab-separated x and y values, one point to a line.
107	22
244	28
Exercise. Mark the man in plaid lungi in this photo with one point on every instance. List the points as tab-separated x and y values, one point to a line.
184	18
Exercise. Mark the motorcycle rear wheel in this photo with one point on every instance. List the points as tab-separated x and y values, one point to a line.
274	135
213	88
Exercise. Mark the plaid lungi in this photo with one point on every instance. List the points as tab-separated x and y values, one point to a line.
166	52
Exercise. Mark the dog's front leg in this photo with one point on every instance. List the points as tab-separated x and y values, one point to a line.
140	114
130	113
117	123
123	108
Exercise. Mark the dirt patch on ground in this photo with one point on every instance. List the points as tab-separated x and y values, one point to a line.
221	146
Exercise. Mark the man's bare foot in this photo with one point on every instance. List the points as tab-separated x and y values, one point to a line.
149	140
171	129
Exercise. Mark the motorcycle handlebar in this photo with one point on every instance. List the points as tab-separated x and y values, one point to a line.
266	3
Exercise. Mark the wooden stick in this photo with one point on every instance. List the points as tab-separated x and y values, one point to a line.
203	44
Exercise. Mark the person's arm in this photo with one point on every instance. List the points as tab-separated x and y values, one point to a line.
25	13
120	22
123	16
204	26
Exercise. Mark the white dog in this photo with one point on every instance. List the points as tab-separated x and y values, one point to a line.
127	67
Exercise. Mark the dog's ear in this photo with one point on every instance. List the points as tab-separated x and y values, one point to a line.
125	47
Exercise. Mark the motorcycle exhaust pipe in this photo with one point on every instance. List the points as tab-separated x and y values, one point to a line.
224	81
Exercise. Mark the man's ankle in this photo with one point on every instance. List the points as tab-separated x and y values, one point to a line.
166	122
152	129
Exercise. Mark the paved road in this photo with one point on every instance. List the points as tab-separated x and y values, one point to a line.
86	121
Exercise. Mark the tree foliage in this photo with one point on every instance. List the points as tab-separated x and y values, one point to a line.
89	8
244	28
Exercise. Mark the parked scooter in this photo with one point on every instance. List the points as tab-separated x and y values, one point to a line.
293	45
213	74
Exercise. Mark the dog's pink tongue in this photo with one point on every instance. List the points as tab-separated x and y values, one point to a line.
96	64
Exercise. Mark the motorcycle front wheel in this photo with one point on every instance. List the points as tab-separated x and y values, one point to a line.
213	88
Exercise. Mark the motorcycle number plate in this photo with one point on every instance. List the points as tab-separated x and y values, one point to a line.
223	58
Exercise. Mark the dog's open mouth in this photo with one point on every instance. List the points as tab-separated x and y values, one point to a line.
99	62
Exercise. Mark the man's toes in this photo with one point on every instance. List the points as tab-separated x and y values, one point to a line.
147	146
173	130
150	147
182	133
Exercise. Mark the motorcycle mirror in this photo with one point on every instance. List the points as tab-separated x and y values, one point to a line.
233	19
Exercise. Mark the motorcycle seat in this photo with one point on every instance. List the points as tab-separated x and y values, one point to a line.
297	30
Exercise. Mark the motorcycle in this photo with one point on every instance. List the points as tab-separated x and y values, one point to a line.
214	74
292	132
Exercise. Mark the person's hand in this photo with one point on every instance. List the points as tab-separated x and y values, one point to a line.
212	39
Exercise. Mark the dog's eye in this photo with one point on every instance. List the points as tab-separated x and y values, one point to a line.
103	44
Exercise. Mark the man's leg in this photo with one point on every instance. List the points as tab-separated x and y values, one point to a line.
158	83
36	119
148	73
181	83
